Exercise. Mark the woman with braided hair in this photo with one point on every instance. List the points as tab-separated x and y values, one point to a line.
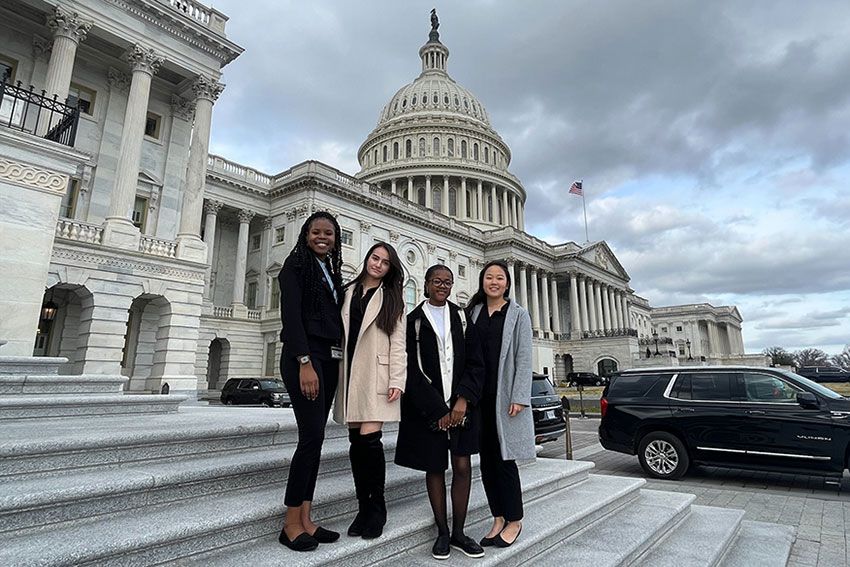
310	298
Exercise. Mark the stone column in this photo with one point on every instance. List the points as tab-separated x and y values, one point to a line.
393	186
523	287
627	319
461	205
556	306
118	229
612	315
494	204
480	201
544	295
505	218
606	306
68	31
521	209
410	196
429	198
444	197
512	272
582	301
576	314
534	298
513	211
241	267
592	305
618	308
211	208
189	245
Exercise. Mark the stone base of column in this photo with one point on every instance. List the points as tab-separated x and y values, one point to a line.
575	335
190	247
240	310
177	385
119	232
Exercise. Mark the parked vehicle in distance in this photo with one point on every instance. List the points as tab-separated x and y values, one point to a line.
546	409
265	391
585	379
824	373
737	417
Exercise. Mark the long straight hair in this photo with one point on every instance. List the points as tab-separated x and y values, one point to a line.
304	260
393	306
480	296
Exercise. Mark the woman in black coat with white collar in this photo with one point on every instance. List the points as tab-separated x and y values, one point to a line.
439	413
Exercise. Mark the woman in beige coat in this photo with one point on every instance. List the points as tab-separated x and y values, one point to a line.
372	378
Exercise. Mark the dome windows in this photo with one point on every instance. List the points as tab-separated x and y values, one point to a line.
436	98
435	149
395	150
404	103
486	154
446	99
451	147
385	152
457	102
421	147
408	148
466	104
475	151
463	149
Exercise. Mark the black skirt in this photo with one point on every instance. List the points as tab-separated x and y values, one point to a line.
421	449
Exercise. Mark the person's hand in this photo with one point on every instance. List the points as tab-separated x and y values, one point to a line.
445	421
393	395
514	409
458	411
309	381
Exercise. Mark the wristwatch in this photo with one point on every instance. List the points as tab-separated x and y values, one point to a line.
304	359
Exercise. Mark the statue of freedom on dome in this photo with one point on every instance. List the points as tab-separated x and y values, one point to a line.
435	21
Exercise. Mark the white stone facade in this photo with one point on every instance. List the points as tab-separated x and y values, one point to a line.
163	261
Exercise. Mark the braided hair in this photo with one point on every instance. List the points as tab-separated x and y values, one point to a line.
304	261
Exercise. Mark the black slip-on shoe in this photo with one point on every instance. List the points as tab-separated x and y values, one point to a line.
500	542
325	536
304	542
441	549
467	546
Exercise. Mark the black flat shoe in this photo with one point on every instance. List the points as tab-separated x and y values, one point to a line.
441	549
467	546
356	527
499	542
304	542
325	536
488	541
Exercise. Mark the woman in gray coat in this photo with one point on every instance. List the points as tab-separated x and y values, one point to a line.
507	425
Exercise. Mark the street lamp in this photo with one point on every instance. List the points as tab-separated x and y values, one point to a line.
688	343
655	336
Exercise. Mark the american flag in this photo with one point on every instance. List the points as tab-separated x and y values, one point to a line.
575	188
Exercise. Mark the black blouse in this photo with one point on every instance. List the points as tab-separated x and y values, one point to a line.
359	303
490	328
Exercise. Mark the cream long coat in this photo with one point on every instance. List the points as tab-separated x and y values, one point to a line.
379	363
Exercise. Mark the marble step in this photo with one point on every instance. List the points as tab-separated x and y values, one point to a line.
760	543
28	503
38	407
24	365
55	384
410	531
176	531
702	538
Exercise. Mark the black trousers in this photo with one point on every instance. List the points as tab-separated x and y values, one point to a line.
499	477
311	417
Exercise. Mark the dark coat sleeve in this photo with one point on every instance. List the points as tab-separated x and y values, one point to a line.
292	333
424	397
471	384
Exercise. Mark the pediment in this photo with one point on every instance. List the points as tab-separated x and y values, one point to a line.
601	255
274	268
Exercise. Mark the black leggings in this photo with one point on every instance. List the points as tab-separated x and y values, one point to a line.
499	477
311	417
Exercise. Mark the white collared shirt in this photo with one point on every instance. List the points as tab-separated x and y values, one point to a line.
439	318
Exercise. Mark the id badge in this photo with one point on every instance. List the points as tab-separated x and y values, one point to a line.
336	353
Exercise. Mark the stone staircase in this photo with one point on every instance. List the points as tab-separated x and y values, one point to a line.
203	486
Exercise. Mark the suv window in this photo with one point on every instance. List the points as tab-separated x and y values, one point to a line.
766	388
634	385
708	386
247	384
541	387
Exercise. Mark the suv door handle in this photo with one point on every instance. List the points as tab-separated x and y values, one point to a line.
755	412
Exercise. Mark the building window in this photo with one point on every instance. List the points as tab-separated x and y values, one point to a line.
279	234
475	152
7	69
463	149
486	154
82	96
436	147
421	147
375	158
410	295
251	295
274	300
461	270
395	150
256	242
271	351
679	328
681	350
347	237
385	152
411	257
69	201
663	329
408	148
153	124
140	213
451	147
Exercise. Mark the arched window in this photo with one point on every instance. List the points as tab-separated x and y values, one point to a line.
437	200
420	196
475	151
436	147
410	295
413	102
486	154
453	201
385	152
463	149
421	147
436	99
408	148
395	150
451	147
375	159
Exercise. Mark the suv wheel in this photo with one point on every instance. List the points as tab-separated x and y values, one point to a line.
662	455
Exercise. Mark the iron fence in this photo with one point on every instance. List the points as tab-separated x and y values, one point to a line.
28	111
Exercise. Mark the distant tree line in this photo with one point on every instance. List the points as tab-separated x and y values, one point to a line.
807	357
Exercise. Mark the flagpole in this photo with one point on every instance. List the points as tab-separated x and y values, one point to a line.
584	205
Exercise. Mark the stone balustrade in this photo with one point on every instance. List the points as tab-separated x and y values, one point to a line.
158	247
70	229
254	315
194	10
220	165
219	312
222	312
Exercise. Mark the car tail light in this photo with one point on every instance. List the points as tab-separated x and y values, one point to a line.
603	406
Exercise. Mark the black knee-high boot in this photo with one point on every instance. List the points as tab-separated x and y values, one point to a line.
361	483
376	466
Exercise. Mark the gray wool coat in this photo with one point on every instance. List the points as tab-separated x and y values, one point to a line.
516	434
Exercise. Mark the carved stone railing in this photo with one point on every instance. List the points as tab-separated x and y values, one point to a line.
222	312
609	333
220	165
158	247
255	314
194	10
70	229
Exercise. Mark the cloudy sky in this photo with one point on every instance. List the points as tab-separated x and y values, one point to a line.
713	138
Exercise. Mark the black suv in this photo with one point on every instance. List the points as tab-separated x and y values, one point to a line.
268	392
546	409
740	417
585	379
824	373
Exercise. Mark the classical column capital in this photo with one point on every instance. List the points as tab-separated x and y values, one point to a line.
64	23
431	248
245	216
212	207
267	223
41	48
117	80
206	88
365	226
144	60
182	107
511	261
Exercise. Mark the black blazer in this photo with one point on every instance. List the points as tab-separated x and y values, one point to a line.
306	330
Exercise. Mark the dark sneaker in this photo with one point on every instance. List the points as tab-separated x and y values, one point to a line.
467	546
441	547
